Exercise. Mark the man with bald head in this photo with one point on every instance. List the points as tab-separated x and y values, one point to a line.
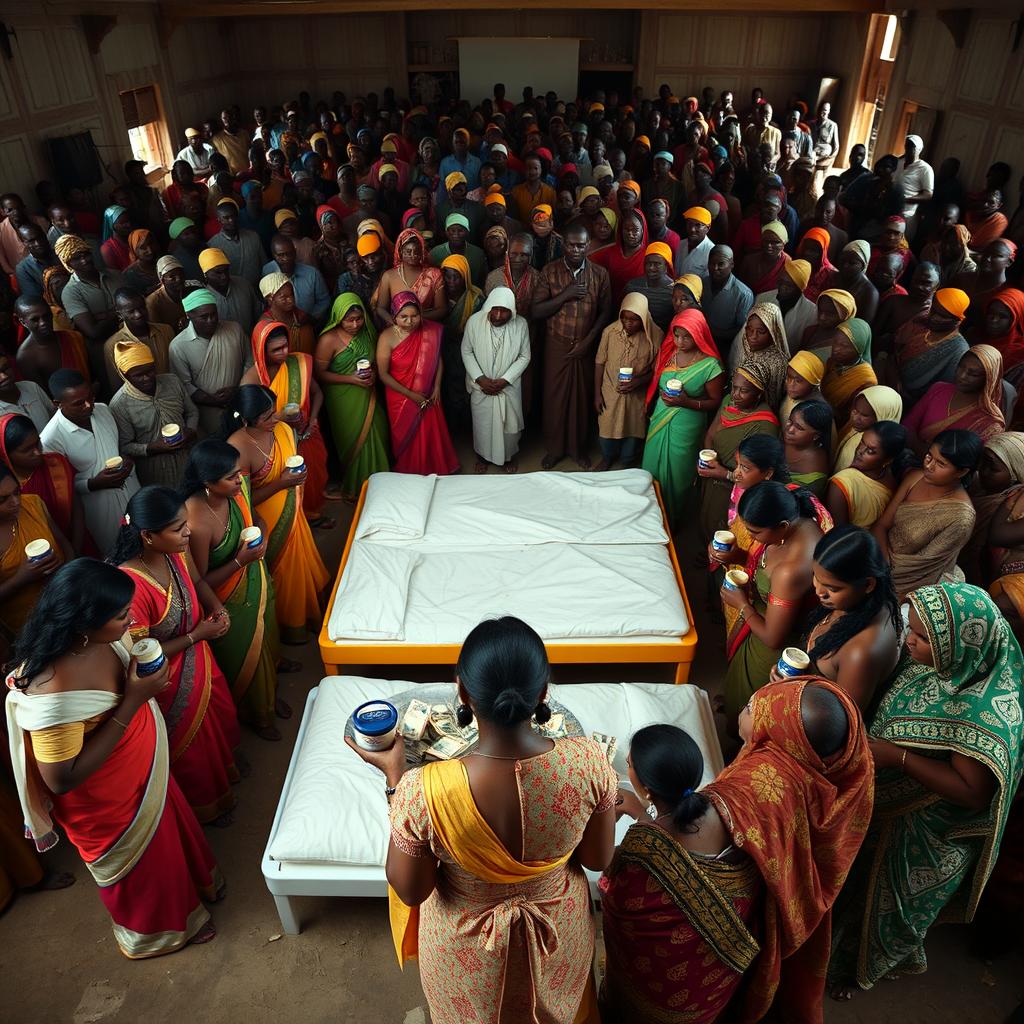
726	300
311	294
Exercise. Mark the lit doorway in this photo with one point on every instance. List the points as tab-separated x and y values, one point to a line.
147	131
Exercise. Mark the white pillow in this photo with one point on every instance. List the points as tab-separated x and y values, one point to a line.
373	594
396	507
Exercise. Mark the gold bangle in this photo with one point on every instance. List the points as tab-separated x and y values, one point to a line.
237	562
191	641
113	718
903	761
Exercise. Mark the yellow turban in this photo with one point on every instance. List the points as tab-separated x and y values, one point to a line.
317	137
212	258
609	215
387	169
282	215
630	184
659	249
693	284
494	197
388	146
799	272
809	366
453	179
273	283
586	192
844	301
368	243
953	300
698	213
542	211
776	228
67	247
129	354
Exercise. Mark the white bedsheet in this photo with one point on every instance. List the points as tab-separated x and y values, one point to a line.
336	811
564	591
532	508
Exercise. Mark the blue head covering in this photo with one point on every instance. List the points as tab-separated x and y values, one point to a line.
110	215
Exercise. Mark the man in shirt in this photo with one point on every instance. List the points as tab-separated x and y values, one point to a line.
574	297
242	246
147	402
694	249
40	257
915	176
164	305
763	131
209	357
460	160
798	312
804	142
136	329
726	300
236	298
232	143
656	285
23	397
458	201
85	433
456	230
12	248
197	154
311	294
825	143
88	298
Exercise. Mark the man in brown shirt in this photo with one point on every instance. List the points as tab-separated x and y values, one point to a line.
164	305
574	297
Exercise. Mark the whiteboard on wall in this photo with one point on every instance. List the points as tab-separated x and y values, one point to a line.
541	62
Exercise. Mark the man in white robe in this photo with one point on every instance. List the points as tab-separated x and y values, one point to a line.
496	353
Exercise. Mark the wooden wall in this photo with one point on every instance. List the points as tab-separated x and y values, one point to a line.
979	90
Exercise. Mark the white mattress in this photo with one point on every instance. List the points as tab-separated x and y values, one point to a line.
335	811
576	556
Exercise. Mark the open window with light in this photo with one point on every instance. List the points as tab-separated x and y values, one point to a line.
147	130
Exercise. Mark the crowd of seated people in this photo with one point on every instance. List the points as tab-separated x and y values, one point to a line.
821	371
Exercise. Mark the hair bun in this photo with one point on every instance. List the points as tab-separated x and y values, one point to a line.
511	707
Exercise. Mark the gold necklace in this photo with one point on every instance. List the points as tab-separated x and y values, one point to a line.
273	441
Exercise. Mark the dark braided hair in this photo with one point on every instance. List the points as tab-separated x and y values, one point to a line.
852	554
151	508
669	763
767	453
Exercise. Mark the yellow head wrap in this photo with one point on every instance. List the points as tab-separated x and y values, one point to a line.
799	272
67	247
953	300
698	213
317	137
494	197
368	243
212	258
453	179
273	283
693	284
845	302
809	366
282	215
776	228
129	354
659	249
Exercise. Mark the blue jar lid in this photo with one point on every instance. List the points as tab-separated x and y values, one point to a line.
375	717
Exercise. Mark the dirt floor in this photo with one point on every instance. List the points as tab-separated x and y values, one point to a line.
62	965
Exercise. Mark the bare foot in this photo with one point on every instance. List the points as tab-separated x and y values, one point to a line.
286	665
269	732
205	934
282	709
225	819
842	993
550	461
53	880
603	466
480	466
242	764
583	461
512	466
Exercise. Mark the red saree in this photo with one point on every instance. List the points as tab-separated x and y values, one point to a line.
770	281
202	724
419	437
622	268
802	821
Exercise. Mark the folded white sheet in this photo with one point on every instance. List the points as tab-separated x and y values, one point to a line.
396	507
564	591
336	811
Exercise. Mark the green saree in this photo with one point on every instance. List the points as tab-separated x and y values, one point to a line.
924	855
247	654
359	423
675	435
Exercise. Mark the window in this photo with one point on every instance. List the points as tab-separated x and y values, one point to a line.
141	109
890	40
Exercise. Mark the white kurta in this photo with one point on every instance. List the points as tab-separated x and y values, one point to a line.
501	353
88	451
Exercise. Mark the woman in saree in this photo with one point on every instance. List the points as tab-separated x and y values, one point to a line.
359	423
414	273
174	605
658	893
835	306
410	365
797	801
46	474
760	270
678	422
289	375
218	503
995	555
848	370
946	740
742	414
761	344
90	753
785	523
624	259
264	445
813	247
870	406
1003	329
279	297
859	493
803	382
929	348
141	271
486	858
971	402
930	517
23	520
807	438
117	226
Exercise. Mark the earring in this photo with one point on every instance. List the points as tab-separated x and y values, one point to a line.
85	640
463	715
543	713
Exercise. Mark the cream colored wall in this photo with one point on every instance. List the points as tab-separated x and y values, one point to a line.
979	90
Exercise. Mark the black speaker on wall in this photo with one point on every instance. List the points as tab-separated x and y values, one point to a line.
76	164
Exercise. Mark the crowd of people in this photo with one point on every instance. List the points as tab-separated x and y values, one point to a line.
819	369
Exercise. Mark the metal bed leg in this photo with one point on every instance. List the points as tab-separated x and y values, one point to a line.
285	911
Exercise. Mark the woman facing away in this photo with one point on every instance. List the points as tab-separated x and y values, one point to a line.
174	605
946	741
487	853
218	503
678	897
89	747
264	446
930	517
